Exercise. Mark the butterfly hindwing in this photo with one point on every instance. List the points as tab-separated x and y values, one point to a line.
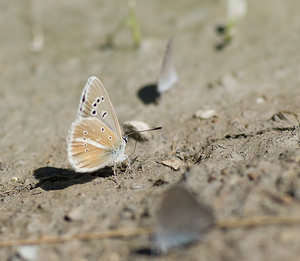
95	102
90	144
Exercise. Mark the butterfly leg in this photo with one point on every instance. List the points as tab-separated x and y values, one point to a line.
129	163
115	169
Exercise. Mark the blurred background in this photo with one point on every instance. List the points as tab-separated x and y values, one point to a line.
242	61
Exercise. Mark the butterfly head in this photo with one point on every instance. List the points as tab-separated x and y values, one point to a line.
125	139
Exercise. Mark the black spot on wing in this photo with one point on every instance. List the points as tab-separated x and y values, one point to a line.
103	114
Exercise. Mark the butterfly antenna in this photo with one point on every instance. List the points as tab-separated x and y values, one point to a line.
133	132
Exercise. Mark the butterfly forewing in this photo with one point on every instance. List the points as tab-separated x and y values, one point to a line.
181	219
167	76
95	102
90	144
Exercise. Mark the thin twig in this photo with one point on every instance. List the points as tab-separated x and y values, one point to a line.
258	221
133	232
119	233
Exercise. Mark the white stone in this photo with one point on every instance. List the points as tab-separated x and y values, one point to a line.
75	214
205	114
174	164
14	179
27	253
132	126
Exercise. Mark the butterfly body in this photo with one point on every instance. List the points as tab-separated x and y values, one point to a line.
95	138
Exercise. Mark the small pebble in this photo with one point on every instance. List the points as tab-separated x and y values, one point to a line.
75	214
174	164
131	126
27	253
138	187
236	156
260	100
14	179
205	114
236	10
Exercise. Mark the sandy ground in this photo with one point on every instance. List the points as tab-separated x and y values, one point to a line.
244	162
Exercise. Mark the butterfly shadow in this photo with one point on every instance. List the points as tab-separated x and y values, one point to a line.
149	94
145	251
156	252
51	178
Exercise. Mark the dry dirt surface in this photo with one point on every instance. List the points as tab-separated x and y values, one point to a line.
244	161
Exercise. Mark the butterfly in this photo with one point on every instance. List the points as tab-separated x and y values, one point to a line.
167	75
181	219
95	139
